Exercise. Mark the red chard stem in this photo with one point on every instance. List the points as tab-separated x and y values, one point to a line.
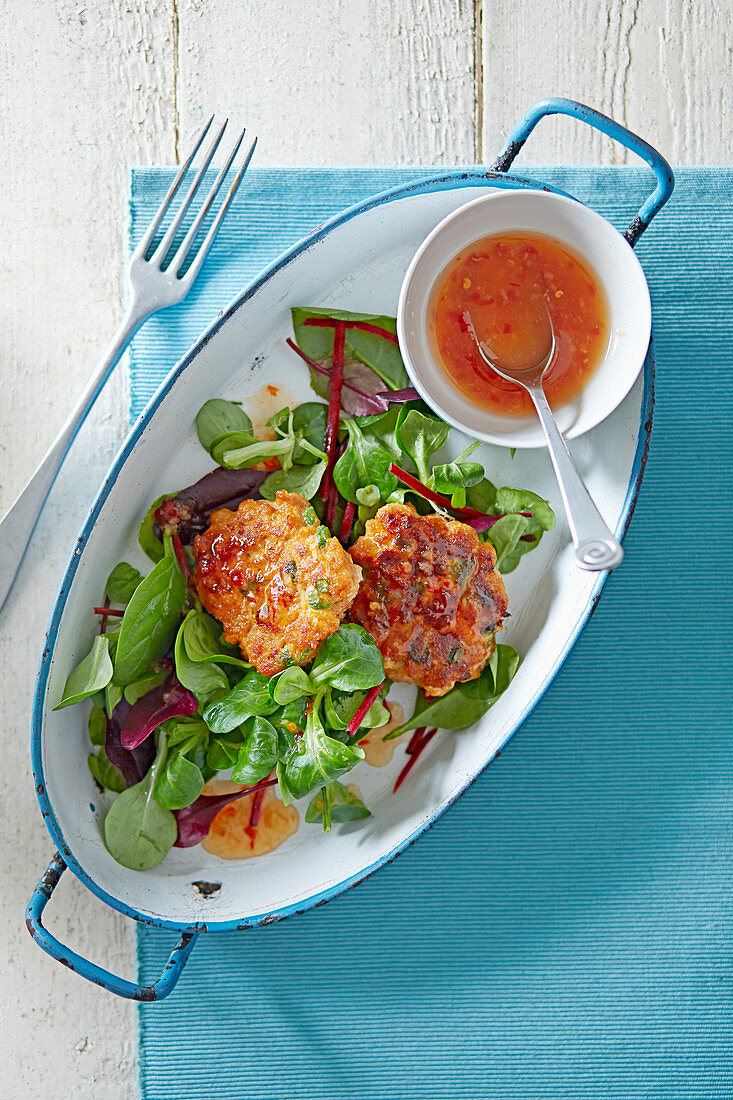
254	816
430	494
106	612
361	326
347	521
328	489
313	363
364	708
419	740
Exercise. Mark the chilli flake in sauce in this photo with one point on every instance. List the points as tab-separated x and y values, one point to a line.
507	282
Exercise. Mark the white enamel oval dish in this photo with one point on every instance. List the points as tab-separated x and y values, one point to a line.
356	262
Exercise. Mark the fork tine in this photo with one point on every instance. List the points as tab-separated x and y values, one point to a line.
162	250
209	238
184	248
152	228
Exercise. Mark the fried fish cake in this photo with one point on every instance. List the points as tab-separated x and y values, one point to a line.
430	597
276	580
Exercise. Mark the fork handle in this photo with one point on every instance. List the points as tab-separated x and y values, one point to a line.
16	526
596	548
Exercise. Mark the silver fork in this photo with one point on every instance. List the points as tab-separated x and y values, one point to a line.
152	287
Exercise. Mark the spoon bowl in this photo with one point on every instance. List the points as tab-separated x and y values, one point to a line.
596	548
523	376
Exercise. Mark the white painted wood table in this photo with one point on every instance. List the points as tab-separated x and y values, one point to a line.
87	91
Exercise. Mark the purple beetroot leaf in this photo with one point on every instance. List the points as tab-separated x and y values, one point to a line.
363	392
133	764
188	512
194	821
169	700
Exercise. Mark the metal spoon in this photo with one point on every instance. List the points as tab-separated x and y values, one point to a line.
595	547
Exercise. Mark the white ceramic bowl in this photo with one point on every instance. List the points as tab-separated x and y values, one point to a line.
606	253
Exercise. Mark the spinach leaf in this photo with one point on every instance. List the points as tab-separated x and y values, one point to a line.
340	707
482	497
506	538
106	774
290	722
179	783
188	730
298	479
146	536
137	831
258	755
465	703
509	535
97	726
112	696
373	350
222	751
138	688
249	699
204	641
524	500
456	475
384	427
122	582
370	450
150	620
368	497
503	664
217	417
345	804
90	675
514	535
420	436
315	759
205	679
293	683
348	660
281	420
309	425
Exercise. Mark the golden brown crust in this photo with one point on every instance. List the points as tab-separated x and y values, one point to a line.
278	584
430	597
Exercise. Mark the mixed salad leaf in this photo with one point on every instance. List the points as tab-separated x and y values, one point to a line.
173	703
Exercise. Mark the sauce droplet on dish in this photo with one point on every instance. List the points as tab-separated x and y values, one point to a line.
232	837
508	283
378	752
264	403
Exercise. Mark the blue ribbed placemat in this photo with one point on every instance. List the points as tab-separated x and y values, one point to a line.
566	930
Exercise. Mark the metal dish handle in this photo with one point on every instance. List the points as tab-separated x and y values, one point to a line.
655	160
89	970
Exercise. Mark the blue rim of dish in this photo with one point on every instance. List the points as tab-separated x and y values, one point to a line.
428	185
